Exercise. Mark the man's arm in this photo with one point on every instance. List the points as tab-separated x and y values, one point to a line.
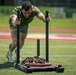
14	19
14	15
42	17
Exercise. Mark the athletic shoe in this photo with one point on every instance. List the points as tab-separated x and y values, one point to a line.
9	56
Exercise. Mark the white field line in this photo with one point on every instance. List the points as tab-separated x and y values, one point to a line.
32	53
51	36
64	46
53	56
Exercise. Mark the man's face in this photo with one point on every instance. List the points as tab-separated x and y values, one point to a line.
26	13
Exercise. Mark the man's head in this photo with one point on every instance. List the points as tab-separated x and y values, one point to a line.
26	5
26	8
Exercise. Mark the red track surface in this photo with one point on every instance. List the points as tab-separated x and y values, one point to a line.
42	29
34	36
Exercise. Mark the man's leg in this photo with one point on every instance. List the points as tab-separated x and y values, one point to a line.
22	39
23	35
13	45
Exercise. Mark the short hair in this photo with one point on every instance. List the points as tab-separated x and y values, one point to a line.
26	5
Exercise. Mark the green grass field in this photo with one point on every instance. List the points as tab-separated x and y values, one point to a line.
60	52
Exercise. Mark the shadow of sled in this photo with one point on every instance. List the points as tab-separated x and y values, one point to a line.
6	65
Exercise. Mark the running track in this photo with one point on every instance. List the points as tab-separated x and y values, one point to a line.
34	36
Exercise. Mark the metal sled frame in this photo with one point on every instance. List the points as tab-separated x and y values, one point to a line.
37	67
